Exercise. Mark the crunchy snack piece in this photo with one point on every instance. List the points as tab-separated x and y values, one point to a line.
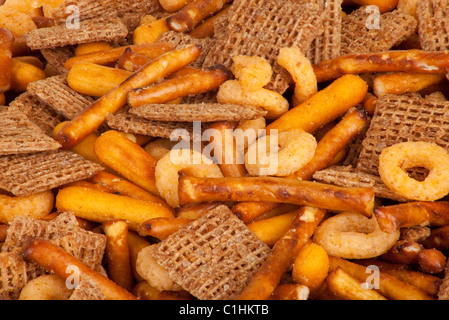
204	112
130	123
433	23
88	9
400	118
261	28
361	37
57	57
19	135
55	92
347	176
87	290
13	275
30	173
195	257
327	45
91	30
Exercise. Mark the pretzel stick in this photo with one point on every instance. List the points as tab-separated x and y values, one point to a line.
248	211
415	61
193	83
206	28
193	13
266	279
92	117
438	239
6	48
323	107
419	213
151	50
389	286
132	61
135	244
117	253
225	150
333	142
56	259
273	189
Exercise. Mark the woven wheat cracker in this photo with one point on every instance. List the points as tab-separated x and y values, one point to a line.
361	33
20	135
198	112
346	176
433	24
13	275
214	257
400	118
261	28
92	30
55	92
327	45
31	173
57	57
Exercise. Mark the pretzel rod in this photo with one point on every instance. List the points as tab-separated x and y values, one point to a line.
206	28
389	286
270	230
225	150
415	61
266	279
333	142
135	244
117	253
129	159
56	259
193	13
151	50
419	213
248	211
196	210
161	228
404	252
6	49
132	61
193	83
323	107
438	239
92	118
273	189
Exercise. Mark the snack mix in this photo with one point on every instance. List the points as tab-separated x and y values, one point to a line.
224	150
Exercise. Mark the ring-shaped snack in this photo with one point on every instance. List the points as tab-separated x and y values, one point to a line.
350	235
396	159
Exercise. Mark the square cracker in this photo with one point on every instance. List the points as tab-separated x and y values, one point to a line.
19	135
31	173
261	28
214	257
401	118
433	24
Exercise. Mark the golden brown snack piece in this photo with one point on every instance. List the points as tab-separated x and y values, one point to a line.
431	261
271	229
290	291
150	32
193	13
95	80
415	61
99	206
281	190
403	251
144	291
117	253
325	106
402	215
438	238
181	86
383	5
403	82
24	73
35	206
174	5
265	281
206	28
92	118
126	157
45	287
104	57
347	287
6	47
135	244
56	259
311	266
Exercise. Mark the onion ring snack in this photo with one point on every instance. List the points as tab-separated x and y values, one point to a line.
394	160
351	235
